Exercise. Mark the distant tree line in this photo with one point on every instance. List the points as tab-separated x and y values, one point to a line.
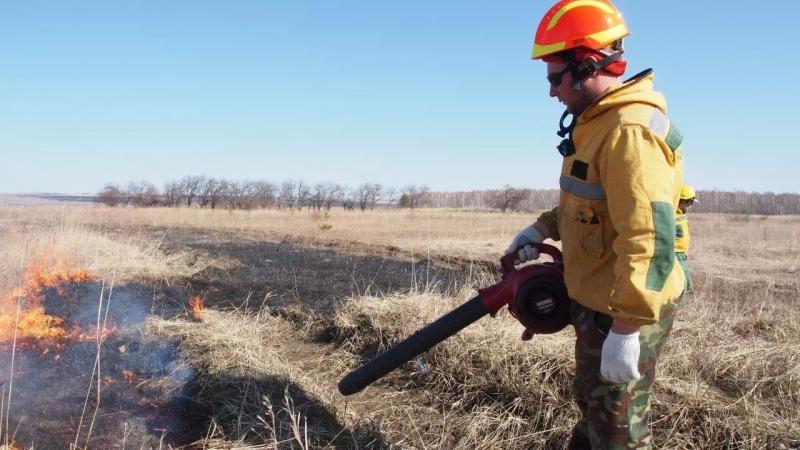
740	202
213	193
506	199
517	199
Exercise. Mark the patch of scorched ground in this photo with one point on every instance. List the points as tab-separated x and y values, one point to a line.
144	396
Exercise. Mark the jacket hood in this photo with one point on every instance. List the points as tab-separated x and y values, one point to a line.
638	89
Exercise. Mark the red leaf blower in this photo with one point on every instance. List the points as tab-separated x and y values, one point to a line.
536	296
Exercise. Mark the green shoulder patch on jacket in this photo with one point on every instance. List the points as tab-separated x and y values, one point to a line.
664	253
674	138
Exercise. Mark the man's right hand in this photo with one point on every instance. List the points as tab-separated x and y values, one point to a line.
522	244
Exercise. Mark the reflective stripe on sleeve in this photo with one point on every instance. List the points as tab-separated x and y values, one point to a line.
665	129
580	189
659	124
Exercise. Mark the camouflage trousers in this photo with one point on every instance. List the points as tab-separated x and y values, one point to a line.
614	416
683	261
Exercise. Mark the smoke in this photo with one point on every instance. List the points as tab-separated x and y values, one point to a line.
101	382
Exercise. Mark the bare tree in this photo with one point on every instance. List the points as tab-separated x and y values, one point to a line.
173	193
249	195
150	195
326	194
413	196
142	193
132	192
349	199
335	195
111	194
294	194
236	195
375	193
204	194
286	194
367	195
215	192
360	196
339	197
192	186
317	197
390	196
263	193
302	194
508	198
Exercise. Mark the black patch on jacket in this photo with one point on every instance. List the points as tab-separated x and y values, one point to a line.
579	169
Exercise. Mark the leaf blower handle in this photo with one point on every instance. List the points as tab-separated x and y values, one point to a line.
507	261
419	342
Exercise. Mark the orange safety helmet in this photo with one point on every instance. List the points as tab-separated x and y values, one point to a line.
570	24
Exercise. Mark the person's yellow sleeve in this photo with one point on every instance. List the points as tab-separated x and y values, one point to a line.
639	179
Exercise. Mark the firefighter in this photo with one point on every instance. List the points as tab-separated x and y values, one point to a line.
687	199
620	181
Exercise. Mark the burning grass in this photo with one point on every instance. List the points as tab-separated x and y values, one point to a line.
22	314
72	356
197	307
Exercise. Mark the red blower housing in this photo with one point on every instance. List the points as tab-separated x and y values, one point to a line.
535	294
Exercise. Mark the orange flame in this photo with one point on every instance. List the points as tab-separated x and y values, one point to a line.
128	376
22	309
196	303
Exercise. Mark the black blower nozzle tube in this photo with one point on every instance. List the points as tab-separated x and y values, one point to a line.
419	342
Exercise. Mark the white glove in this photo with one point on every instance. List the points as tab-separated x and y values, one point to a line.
529	235
619	362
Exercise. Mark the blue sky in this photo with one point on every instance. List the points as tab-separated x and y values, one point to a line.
441	93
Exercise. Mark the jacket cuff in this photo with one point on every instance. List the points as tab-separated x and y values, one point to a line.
549	220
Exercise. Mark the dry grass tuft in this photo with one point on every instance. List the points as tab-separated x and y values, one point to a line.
253	386
124	258
494	390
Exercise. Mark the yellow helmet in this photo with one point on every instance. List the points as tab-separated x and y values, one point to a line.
687	193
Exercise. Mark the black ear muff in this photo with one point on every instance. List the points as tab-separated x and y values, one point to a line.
542	304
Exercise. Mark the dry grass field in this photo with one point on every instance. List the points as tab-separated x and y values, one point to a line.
294	300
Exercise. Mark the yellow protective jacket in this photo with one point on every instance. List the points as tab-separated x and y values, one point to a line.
619	193
681	232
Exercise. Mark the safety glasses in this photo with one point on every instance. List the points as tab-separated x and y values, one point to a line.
556	77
